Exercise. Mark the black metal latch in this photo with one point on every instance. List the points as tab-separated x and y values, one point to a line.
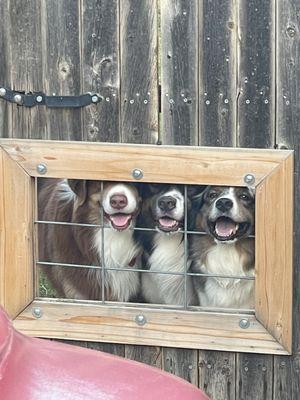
39	98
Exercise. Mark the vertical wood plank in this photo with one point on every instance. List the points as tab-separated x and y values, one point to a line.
256	73
150	355
181	362
217	73
139	84
61	64
23	65
100	68
179	70
254	377
287	369
217	374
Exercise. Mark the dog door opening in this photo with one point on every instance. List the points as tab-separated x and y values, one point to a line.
156	245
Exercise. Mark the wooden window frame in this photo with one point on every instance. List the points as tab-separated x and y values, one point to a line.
270	329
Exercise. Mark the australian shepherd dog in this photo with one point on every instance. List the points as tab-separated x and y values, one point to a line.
226	215
164	210
83	202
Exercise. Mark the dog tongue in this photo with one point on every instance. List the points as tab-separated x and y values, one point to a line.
225	227
120	219
167	222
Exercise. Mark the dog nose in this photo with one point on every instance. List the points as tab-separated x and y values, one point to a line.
224	204
167	203
118	201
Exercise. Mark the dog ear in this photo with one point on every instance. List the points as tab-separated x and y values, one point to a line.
79	187
198	197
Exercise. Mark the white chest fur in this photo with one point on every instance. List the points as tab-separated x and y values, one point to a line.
167	256
120	250
226	259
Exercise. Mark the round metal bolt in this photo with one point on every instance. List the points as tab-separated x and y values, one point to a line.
41	169
39	99
145	101
207	102
2	92
140	320
247	101
137	173
226	101
266	101
287	102
264	369
131	101
246	369
37	312
244	323
18	98
208	366
171	101
249	179
185	100
107	99
95	99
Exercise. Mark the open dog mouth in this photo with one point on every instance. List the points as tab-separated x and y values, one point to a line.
225	228
119	221
167	224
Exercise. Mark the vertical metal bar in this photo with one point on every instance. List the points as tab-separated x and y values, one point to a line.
185	246
102	250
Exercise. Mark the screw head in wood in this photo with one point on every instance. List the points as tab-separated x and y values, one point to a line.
18	98
244	323
37	312
2	92
95	99
137	173
39	99
141	319
41	168
249	179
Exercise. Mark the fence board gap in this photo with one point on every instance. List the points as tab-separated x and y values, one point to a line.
181	362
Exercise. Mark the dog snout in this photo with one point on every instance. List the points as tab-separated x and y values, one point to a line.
167	203
118	201
224	204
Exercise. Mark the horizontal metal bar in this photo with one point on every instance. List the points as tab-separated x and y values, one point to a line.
108	227
149	306
67	265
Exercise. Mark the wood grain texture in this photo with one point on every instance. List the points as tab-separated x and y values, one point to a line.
190	165
179	72
217	72
100	68
191	330
150	355
181	362
274	253
16	226
256	73
254	377
287	369
62	64
139	82
217	374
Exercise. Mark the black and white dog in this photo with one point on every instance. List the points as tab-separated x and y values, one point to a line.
163	209
226	214
80	201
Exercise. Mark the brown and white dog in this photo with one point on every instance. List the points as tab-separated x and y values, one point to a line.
226	214
163	209
80	201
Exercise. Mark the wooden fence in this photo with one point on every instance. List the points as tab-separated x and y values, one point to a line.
207	72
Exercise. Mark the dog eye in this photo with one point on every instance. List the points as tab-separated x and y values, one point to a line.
244	197
212	195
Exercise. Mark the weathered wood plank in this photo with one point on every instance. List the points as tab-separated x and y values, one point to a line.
100	68
254	377
179	72
217	374
287	369
61	64
139	83
150	355
181	362
23	64
217	73
256	73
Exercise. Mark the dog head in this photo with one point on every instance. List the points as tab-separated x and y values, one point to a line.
164	206
226	213
120	202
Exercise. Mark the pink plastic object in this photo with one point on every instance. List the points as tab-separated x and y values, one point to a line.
36	369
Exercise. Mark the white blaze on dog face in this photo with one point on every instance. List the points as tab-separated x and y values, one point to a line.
120	204
228	212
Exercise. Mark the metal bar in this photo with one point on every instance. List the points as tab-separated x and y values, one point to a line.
185	247
102	251
57	264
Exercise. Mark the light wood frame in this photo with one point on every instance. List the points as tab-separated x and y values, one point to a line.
269	331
